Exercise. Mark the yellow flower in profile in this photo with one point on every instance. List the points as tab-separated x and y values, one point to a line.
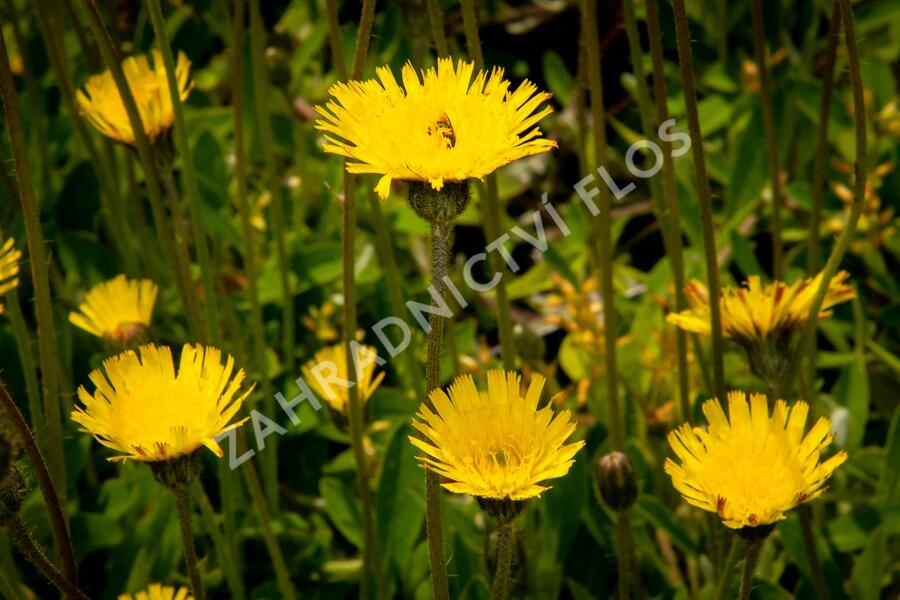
495	444
327	369
118	310
101	103
750	467
755	311
442	125
158	591
147	411
9	266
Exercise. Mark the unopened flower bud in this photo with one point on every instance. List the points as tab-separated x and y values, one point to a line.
439	206
616	480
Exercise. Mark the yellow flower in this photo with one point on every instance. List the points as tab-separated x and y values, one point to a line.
101	103
9	267
330	364
754	311
148	412
442	125
118	310
754	468
497	444
157	591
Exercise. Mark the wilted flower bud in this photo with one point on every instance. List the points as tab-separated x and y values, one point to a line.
278	66
616	480
529	344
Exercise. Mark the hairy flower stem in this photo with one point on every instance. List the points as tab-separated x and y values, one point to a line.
506	543
371	562
29	370
627	580
187	539
723	588
686	63
278	220
751	558
671	216
440	241
806	340
491	205
145	152
188	172
601	224
39	261
48	490
805	515
436	19
25	542
258	498
765	96
819	163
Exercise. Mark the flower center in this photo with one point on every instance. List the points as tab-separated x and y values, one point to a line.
442	129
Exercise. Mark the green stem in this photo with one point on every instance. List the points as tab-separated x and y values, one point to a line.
48	490
704	197
49	359
602	222
671	217
491	212
806	340
436	19
334	39
27	545
723	588
819	163
26	361
187	540
371	562
267	145
229	563
506	543
440	237
625	547
251	260
804	513
142	146
188	172
261	508
182	253
765	96
751	558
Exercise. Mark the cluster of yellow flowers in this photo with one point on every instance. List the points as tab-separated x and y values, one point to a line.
445	124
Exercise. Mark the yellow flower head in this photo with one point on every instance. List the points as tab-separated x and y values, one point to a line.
751	468
442	125
326	374
147	411
496	444
9	267
118	310
158	591
754	311
101	103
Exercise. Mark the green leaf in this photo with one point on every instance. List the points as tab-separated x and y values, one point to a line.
660	516
558	78
852	392
869	571
342	508
890	473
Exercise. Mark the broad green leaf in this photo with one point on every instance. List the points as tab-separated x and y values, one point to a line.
400	504
852	392
342	508
657	513
890	474
869	570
